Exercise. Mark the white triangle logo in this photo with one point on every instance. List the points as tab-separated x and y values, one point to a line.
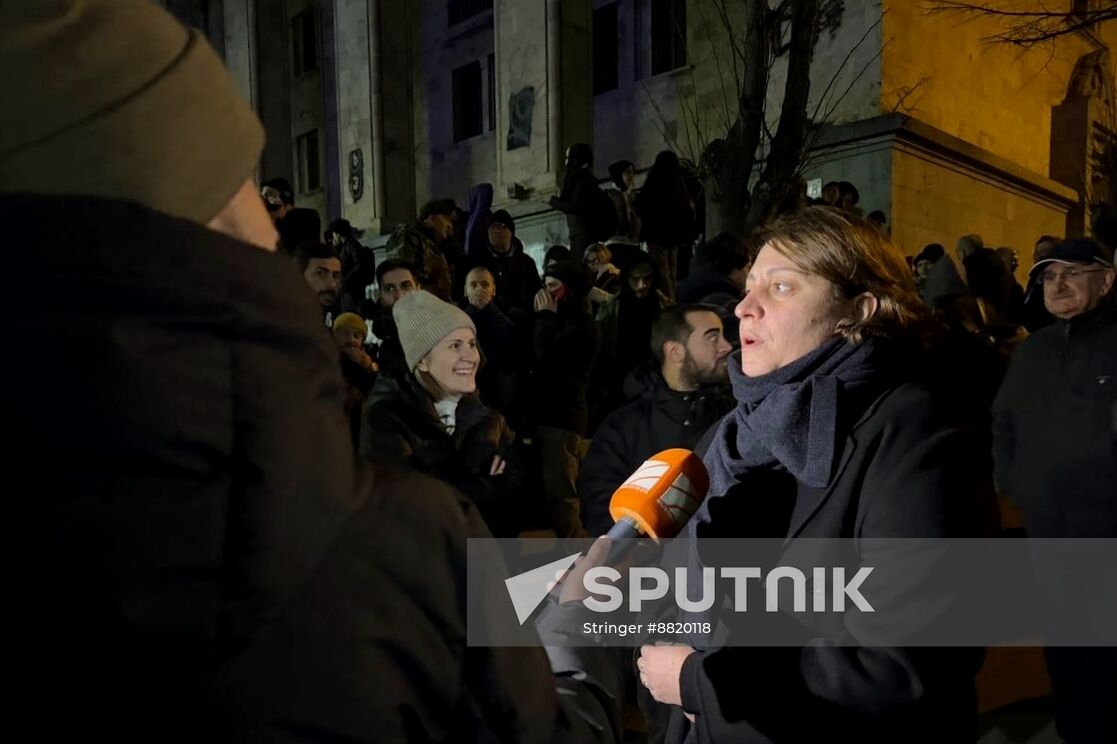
528	590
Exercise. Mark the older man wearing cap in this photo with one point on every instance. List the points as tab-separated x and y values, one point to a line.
193	553
1055	435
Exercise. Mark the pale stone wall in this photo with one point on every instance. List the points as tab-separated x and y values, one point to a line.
307	113
446	168
240	46
354	98
683	109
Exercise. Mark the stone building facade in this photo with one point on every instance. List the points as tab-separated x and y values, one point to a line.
374	106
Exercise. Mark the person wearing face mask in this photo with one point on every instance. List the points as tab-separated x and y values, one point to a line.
566	344
432	419
833	436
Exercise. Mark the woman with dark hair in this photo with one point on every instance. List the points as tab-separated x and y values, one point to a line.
667	216
431	418
833	437
581	199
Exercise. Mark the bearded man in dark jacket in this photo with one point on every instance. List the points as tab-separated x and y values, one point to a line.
199	556
673	404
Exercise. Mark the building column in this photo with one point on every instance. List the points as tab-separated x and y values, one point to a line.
240	46
544	92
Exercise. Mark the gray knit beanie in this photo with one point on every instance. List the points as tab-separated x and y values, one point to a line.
423	320
115	98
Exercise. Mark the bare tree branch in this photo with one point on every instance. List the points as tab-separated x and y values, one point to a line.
1027	28
905	92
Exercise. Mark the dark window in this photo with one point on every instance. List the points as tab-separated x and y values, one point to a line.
310	164
668	35
605	48
462	10
467	101
492	92
304	43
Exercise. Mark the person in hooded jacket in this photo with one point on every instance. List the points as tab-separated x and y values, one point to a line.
566	344
432	418
827	331
476	239
625	323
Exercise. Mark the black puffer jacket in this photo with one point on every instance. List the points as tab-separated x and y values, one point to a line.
657	418
400	425
195	554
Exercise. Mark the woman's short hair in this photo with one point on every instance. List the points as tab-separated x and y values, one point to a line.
856	257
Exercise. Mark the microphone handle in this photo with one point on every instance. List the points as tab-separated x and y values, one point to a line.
624	528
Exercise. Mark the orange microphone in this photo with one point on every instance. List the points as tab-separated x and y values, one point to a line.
658	499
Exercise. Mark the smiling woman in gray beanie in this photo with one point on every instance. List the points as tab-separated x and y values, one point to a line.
431	417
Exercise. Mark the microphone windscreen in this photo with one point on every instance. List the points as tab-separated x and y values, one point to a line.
663	493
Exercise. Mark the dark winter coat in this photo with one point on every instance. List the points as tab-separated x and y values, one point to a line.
400	425
655	419
517	278
496	337
1055	427
358	266
902	469
389	354
566	345
199	555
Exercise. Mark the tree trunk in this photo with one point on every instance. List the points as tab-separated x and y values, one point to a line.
731	161
779	179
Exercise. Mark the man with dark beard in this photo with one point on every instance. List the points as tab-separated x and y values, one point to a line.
320	267
675	401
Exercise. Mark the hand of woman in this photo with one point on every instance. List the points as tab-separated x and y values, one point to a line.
660	668
544	301
497	468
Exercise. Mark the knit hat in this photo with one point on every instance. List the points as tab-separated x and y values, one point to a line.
423	320
501	217
350	320
115	98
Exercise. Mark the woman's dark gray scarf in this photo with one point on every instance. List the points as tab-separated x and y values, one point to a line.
792	418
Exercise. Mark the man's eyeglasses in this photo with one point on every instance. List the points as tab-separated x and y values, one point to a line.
1047	277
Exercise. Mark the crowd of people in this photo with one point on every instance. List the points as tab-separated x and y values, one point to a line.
249	490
